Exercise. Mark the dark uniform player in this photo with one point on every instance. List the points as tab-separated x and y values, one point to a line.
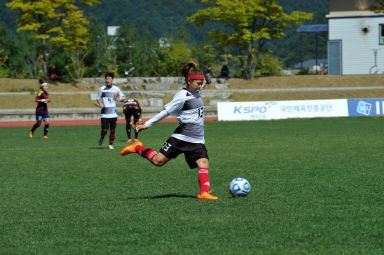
42	109
131	109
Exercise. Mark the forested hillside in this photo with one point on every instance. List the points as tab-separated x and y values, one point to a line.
157	18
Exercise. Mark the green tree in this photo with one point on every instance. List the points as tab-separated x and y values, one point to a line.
54	22
246	26
170	59
3	59
17	48
268	65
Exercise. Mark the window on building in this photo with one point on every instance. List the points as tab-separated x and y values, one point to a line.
381	37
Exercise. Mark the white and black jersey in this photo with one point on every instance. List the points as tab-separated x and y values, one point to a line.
189	110
108	97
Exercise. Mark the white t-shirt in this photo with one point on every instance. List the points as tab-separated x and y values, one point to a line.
108	97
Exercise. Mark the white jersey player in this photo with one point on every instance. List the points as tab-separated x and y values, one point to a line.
106	99
188	137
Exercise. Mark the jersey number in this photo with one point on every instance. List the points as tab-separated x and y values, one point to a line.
166	146
200	112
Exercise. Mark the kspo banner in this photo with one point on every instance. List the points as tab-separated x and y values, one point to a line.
268	110
366	107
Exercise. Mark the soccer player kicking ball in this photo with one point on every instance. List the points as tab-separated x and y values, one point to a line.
188	137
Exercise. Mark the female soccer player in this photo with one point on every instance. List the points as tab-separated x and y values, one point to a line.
106	99
131	108
42	109
188	138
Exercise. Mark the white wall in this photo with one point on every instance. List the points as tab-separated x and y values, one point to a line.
357	46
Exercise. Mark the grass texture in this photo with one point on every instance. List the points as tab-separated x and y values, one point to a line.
317	188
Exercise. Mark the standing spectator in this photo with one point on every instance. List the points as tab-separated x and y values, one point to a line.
188	137
106	99
42	109
208	75
132	108
225	72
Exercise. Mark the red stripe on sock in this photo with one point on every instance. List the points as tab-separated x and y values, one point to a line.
150	155
111	139
140	149
146	152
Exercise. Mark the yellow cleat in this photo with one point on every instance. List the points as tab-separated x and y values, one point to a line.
130	148
45	137
207	195
30	134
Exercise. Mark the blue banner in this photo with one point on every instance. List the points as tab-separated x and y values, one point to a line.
366	107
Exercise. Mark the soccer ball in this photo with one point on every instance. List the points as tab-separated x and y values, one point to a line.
239	187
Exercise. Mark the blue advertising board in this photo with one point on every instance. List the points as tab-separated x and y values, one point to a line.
366	107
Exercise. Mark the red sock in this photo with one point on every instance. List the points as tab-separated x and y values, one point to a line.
111	139
204	182
145	152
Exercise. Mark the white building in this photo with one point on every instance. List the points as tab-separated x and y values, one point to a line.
356	38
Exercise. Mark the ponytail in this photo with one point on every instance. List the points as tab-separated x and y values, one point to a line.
41	81
190	68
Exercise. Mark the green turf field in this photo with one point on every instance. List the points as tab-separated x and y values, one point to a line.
317	188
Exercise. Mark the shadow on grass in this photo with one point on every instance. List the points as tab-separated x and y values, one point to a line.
163	196
98	148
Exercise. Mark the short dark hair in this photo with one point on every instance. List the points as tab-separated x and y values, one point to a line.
109	74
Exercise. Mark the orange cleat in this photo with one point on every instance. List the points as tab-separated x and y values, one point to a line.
31	134
45	137
129	140
207	195
137	140
130	148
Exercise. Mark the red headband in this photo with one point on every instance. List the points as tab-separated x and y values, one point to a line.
196	77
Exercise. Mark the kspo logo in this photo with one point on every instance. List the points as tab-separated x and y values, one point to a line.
249	109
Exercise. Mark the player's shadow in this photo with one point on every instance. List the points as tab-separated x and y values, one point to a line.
98	148
163	196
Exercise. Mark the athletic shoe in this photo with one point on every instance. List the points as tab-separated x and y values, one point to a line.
101	141
45	137
130	148
31	134
129	140
137	140
111	147
207	195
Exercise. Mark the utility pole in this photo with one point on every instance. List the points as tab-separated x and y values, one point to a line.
98	57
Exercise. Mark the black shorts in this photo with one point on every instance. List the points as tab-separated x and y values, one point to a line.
108	122
129	112
192	151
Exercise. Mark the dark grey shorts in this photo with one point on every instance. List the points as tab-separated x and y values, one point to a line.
192	151
108	122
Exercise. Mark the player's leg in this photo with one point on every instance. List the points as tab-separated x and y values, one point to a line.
166	152
136	117
46	125
112	134
158	159
128	124
203	178
104	129
39	118
199	158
